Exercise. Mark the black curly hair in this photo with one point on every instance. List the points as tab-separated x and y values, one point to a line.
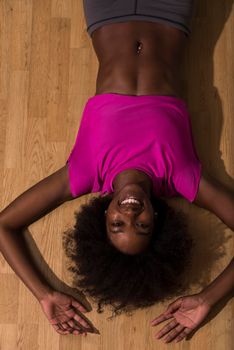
124	281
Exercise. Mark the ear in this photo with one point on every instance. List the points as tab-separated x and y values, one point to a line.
110	195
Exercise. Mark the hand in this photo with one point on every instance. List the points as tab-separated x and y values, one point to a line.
64	313
187	312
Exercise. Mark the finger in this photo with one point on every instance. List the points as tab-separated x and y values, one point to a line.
65	326
71	330
62	326
183	334
78	306
160	319
76	332
63	317
82	323
59	330
174	333
166	329
71	327
70	313
172	307
75	326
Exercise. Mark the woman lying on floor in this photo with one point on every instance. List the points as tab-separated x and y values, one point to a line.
134	146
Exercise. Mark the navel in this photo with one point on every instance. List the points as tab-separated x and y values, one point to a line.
139	46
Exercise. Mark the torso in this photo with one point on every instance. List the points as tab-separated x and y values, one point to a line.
151	69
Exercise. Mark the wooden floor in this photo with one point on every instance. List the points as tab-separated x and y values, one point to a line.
47	72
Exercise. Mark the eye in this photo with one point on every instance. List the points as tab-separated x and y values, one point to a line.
144	226
119	224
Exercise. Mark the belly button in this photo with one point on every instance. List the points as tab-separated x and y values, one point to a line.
139	47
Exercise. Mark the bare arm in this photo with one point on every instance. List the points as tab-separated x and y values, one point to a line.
31	205
214	197
188	312
220	287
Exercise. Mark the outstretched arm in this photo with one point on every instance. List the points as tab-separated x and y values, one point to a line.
188	312
220	287
214	196
62	311
31	205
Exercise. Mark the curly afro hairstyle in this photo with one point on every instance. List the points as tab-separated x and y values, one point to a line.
124	281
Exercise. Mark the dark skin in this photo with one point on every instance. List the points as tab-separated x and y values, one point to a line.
146	62
151	71
130	227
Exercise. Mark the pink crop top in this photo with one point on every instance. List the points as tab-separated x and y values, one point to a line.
150	133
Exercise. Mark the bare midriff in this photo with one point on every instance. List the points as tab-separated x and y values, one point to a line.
139	58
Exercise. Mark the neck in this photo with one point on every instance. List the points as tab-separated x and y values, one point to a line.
135	177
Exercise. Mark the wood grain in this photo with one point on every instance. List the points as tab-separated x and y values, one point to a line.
47	72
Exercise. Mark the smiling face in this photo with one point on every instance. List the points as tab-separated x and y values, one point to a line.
130	226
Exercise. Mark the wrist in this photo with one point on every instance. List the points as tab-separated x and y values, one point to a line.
209	296
44	293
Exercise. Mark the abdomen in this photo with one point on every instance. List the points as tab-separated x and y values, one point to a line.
138	57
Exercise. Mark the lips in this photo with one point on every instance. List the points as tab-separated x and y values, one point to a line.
131	205
130	196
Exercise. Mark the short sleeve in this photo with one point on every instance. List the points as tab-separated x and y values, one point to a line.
79	175
186	182
80	167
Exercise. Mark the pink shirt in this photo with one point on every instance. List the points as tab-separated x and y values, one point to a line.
150	133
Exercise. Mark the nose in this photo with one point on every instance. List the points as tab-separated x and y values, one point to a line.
131	209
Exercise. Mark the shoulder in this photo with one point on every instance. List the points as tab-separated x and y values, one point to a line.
65	179
217	198
208	190
37	201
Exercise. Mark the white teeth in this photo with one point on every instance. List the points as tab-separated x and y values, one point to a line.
130	200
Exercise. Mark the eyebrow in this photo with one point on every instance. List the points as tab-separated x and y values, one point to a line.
139	233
